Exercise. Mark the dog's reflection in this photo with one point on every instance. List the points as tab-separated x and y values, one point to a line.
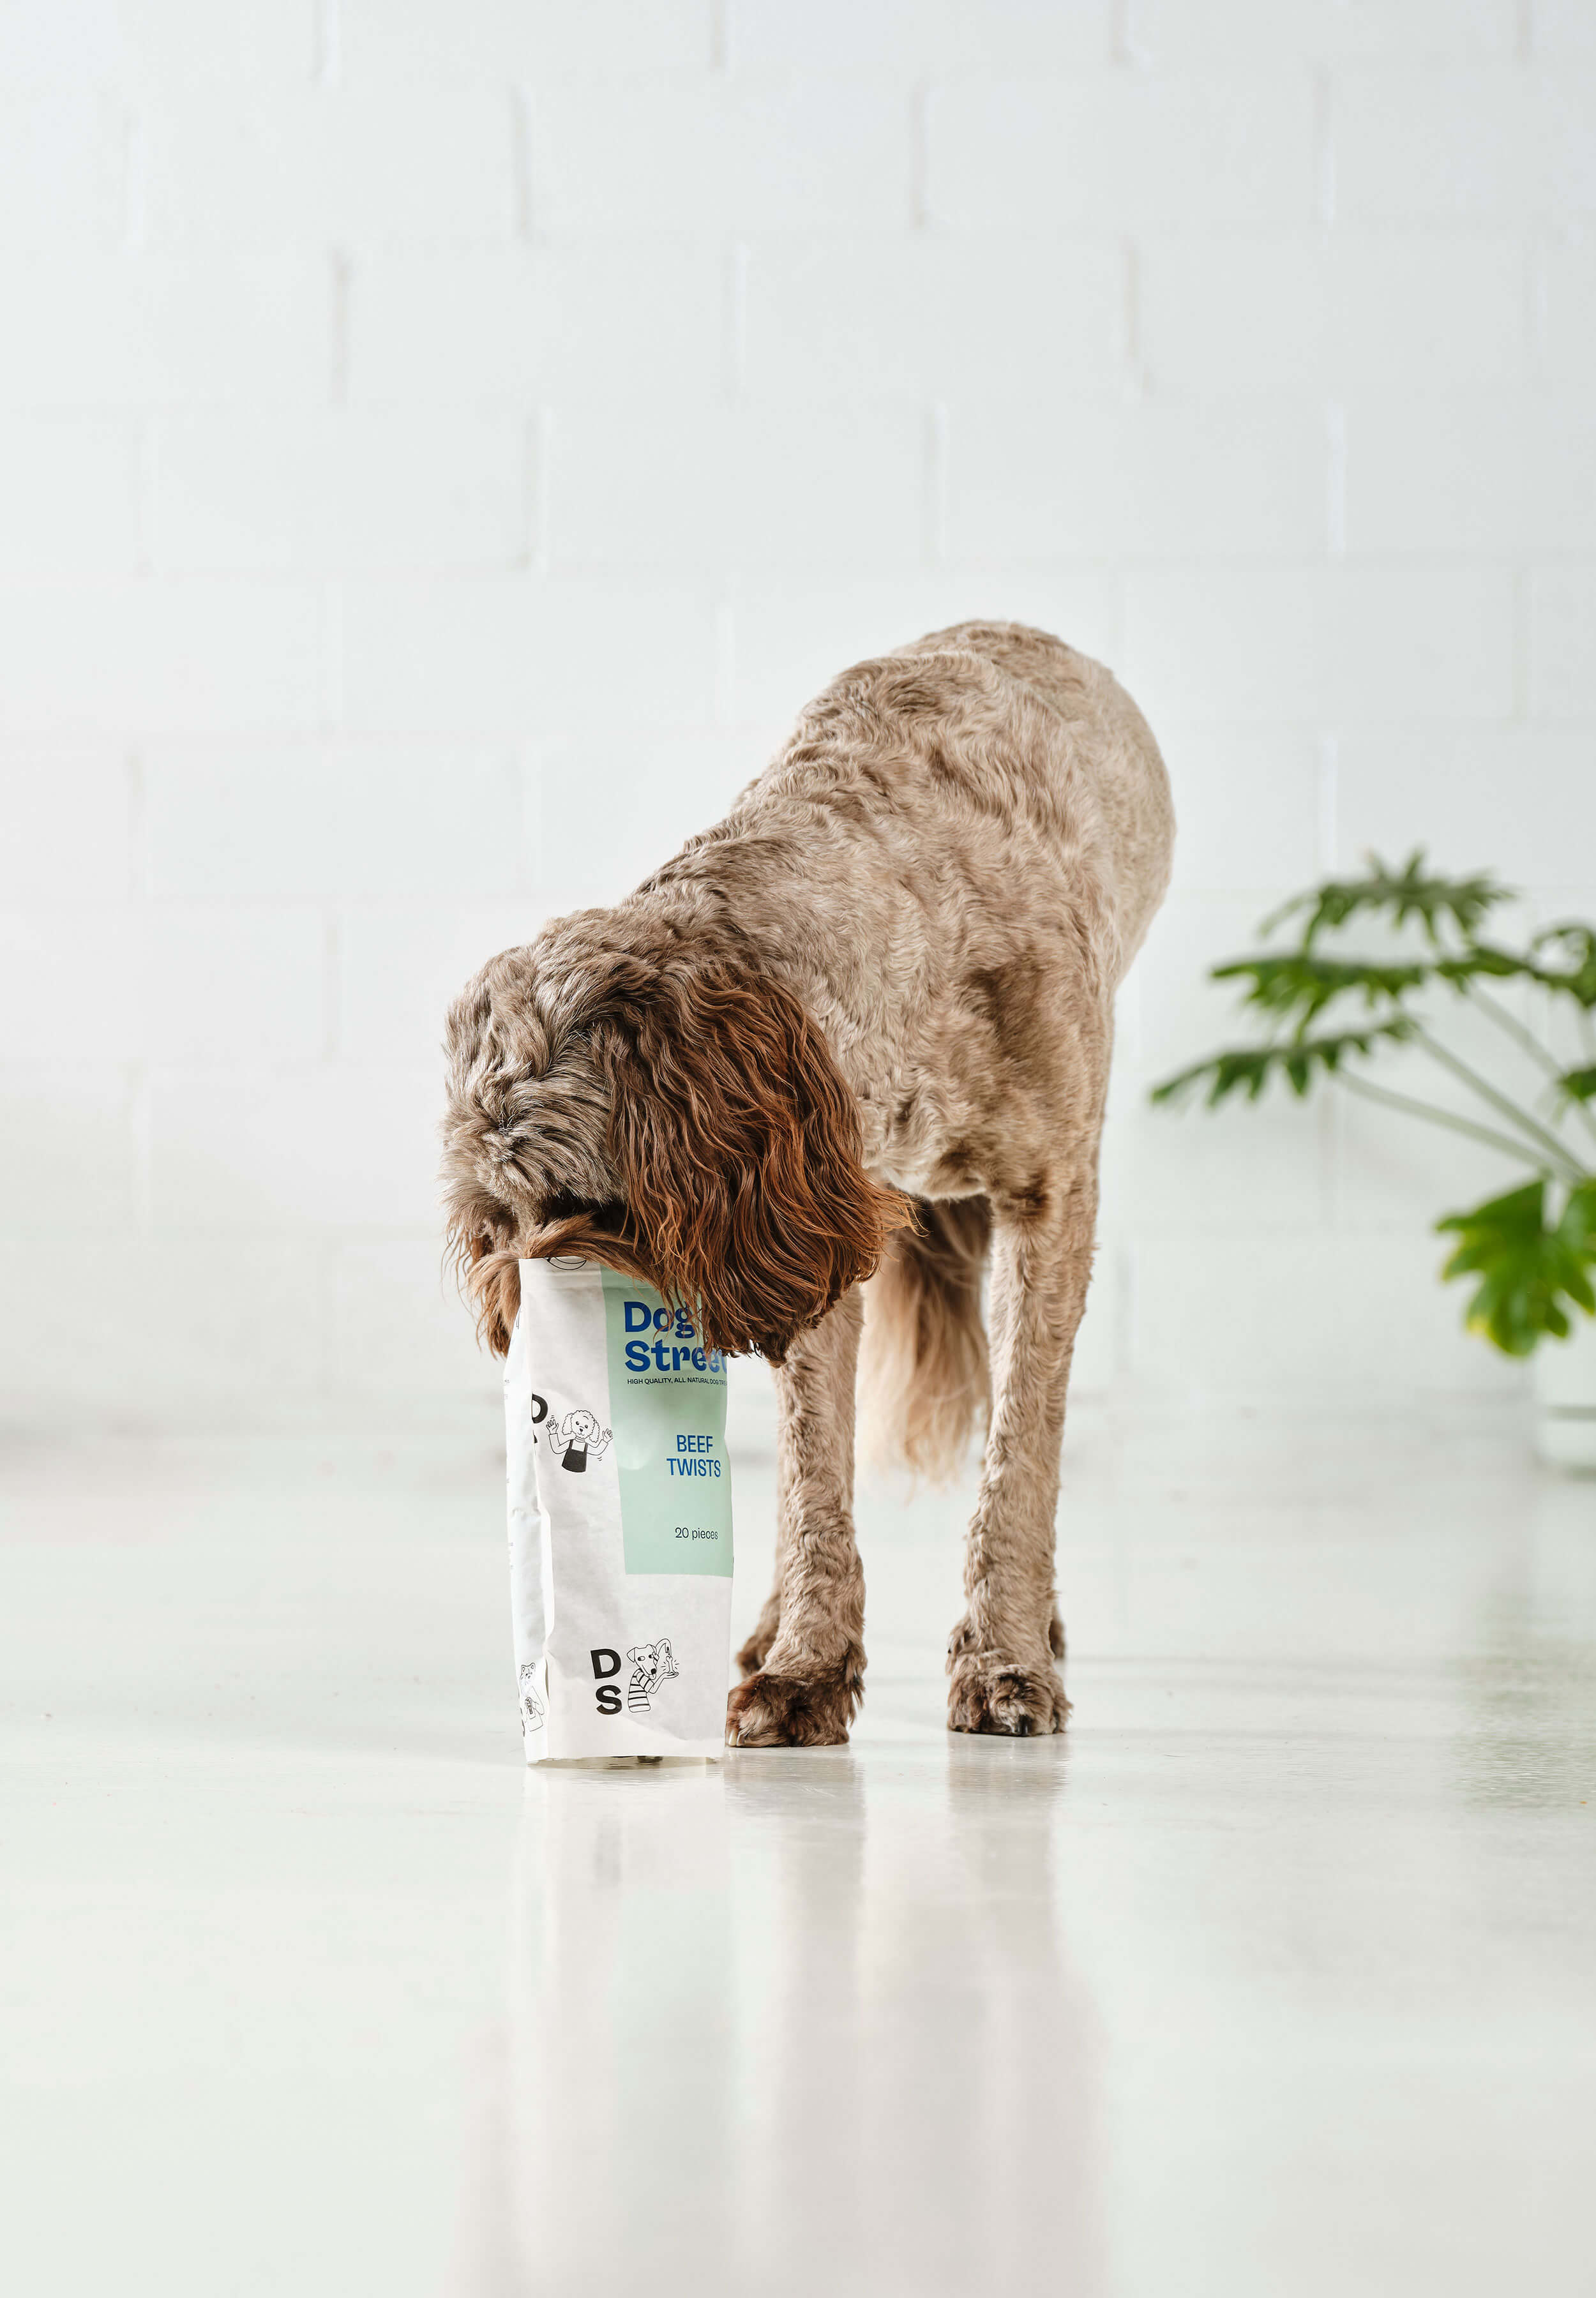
803	2019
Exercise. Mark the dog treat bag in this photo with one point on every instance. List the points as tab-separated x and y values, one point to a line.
620	1519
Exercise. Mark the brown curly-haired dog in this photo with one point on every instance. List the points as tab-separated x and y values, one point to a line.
858	1030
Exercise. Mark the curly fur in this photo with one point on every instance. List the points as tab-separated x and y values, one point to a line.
860	1030
731	1176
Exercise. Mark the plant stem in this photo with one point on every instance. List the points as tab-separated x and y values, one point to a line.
1513	1026
1453	1123
1530	1043
1548	1143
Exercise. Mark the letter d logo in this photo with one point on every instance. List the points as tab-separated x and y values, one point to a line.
600	1654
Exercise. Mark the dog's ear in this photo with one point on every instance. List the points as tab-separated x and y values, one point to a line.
738	1148
492	1277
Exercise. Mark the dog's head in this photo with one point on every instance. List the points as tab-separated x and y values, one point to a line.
670	1113
654	1662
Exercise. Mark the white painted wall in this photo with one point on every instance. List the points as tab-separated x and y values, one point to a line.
441	441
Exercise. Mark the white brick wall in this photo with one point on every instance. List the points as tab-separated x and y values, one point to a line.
1123	151
439	445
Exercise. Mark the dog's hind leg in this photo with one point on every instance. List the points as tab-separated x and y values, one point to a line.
1001	1655
806	1678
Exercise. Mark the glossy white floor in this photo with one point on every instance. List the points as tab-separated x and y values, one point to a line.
1277	1975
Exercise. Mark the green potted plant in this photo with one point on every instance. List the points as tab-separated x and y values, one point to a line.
1531	1251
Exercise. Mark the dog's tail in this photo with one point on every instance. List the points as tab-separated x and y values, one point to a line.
924	1385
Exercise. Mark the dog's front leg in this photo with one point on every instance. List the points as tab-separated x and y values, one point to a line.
1001	1655
806	1683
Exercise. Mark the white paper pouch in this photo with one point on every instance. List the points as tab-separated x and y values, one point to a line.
620	1519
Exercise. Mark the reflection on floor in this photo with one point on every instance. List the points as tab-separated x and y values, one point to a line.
1277	1975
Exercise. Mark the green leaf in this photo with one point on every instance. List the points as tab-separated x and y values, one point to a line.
1577	979
1405	893
1248	1068
1484	958
1579	1085
1526	1270
1299	986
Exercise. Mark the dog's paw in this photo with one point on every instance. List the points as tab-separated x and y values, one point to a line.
774	1709
989	1694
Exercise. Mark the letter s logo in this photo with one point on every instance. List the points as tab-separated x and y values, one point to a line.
608	1696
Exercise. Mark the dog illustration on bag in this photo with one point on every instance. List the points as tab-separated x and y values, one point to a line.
533	1710
572	1439
650	1665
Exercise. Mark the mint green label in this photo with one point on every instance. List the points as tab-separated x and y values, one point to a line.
668	1402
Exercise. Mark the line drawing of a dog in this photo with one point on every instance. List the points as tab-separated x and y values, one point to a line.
651	1664
845	1051
577	1437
